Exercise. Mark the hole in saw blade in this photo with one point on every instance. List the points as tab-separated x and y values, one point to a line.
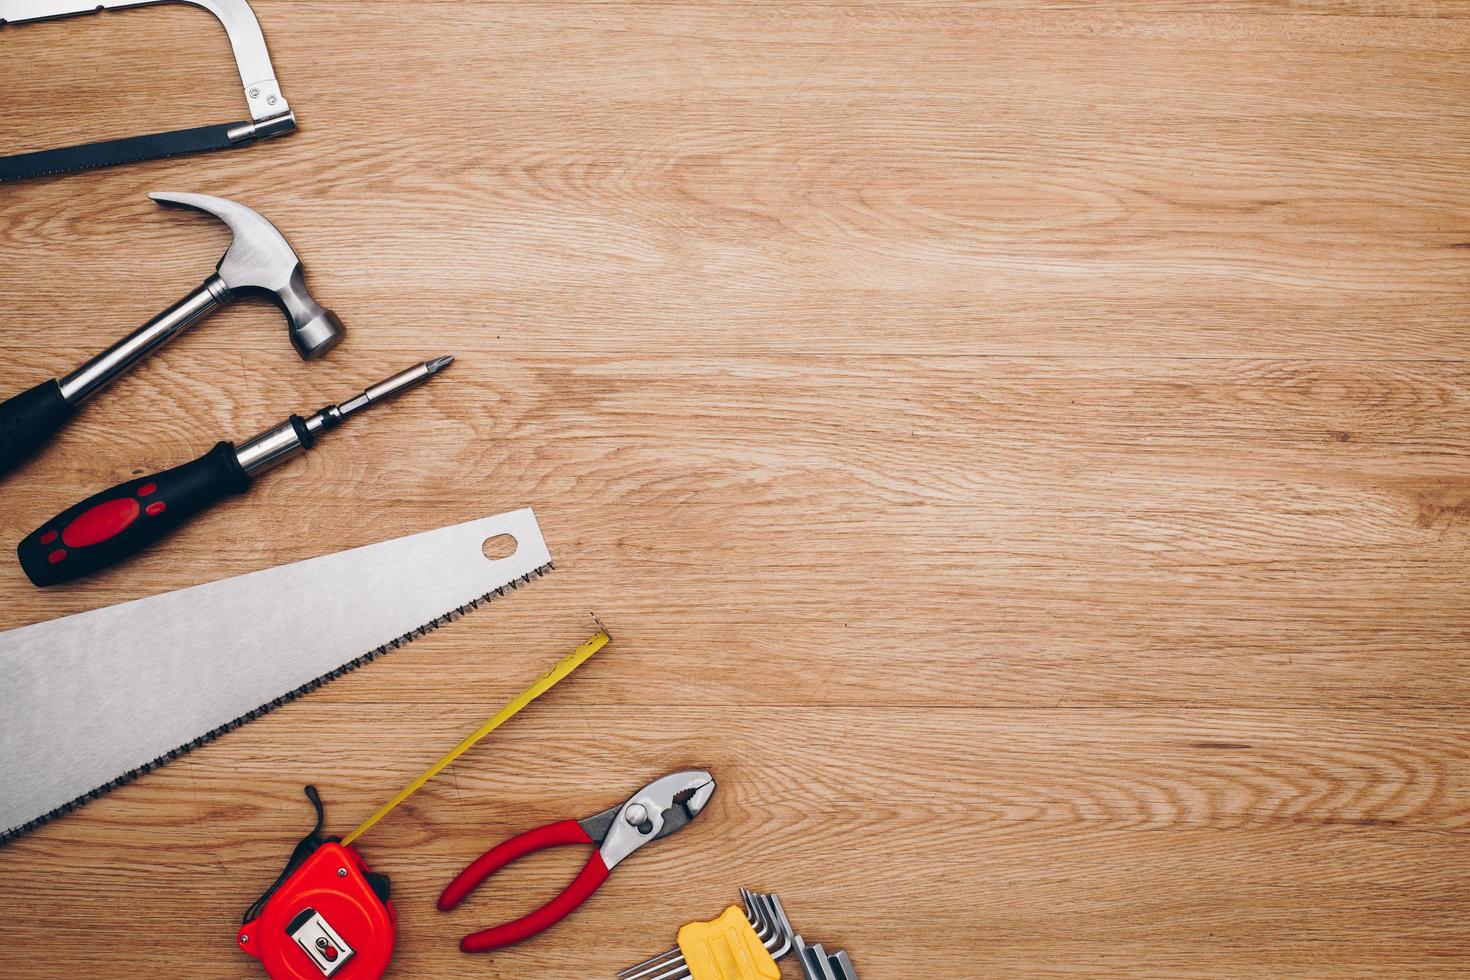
499	547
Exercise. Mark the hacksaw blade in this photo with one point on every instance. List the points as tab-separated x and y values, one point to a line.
91	701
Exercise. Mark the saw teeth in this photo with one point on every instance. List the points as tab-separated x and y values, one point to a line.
7	836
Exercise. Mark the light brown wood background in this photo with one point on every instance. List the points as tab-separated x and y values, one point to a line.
1022	448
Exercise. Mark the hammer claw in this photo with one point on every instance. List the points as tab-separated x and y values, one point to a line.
261	262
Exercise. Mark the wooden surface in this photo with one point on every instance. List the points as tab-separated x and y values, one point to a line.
1020	448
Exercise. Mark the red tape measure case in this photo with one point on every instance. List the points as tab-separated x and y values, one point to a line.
325	920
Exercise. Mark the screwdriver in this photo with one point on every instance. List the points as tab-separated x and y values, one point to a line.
116	524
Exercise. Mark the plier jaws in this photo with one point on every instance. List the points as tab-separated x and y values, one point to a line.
659	809
654	812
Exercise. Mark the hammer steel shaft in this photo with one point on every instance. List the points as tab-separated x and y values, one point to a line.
116	524
107	366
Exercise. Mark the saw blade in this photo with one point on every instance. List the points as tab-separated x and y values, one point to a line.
91	701
109	153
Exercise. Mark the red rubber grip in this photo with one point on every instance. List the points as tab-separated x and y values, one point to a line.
114	525
552	835
582	887
101	522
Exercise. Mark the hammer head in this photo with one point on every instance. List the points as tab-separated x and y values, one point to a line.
260	262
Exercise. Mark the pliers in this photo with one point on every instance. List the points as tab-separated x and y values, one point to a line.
655	811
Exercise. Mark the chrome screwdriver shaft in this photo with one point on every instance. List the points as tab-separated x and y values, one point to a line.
296	435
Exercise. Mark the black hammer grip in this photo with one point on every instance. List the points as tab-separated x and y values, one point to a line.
28	420
118	523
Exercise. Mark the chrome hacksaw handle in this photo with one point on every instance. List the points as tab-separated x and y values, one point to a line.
262	92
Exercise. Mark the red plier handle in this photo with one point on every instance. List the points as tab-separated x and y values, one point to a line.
582	887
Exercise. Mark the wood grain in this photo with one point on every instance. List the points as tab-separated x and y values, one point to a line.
1020	447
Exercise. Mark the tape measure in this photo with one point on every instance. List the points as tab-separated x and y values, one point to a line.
328	915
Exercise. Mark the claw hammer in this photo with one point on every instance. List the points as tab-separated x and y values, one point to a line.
258	262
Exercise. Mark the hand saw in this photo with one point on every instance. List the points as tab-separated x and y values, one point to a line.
91	701
269	113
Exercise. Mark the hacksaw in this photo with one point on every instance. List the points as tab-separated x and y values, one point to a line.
93	700
270	115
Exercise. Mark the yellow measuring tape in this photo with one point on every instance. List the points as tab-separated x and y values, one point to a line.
549	680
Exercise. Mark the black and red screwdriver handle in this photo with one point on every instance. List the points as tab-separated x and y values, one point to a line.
116	524
28	420
583	886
